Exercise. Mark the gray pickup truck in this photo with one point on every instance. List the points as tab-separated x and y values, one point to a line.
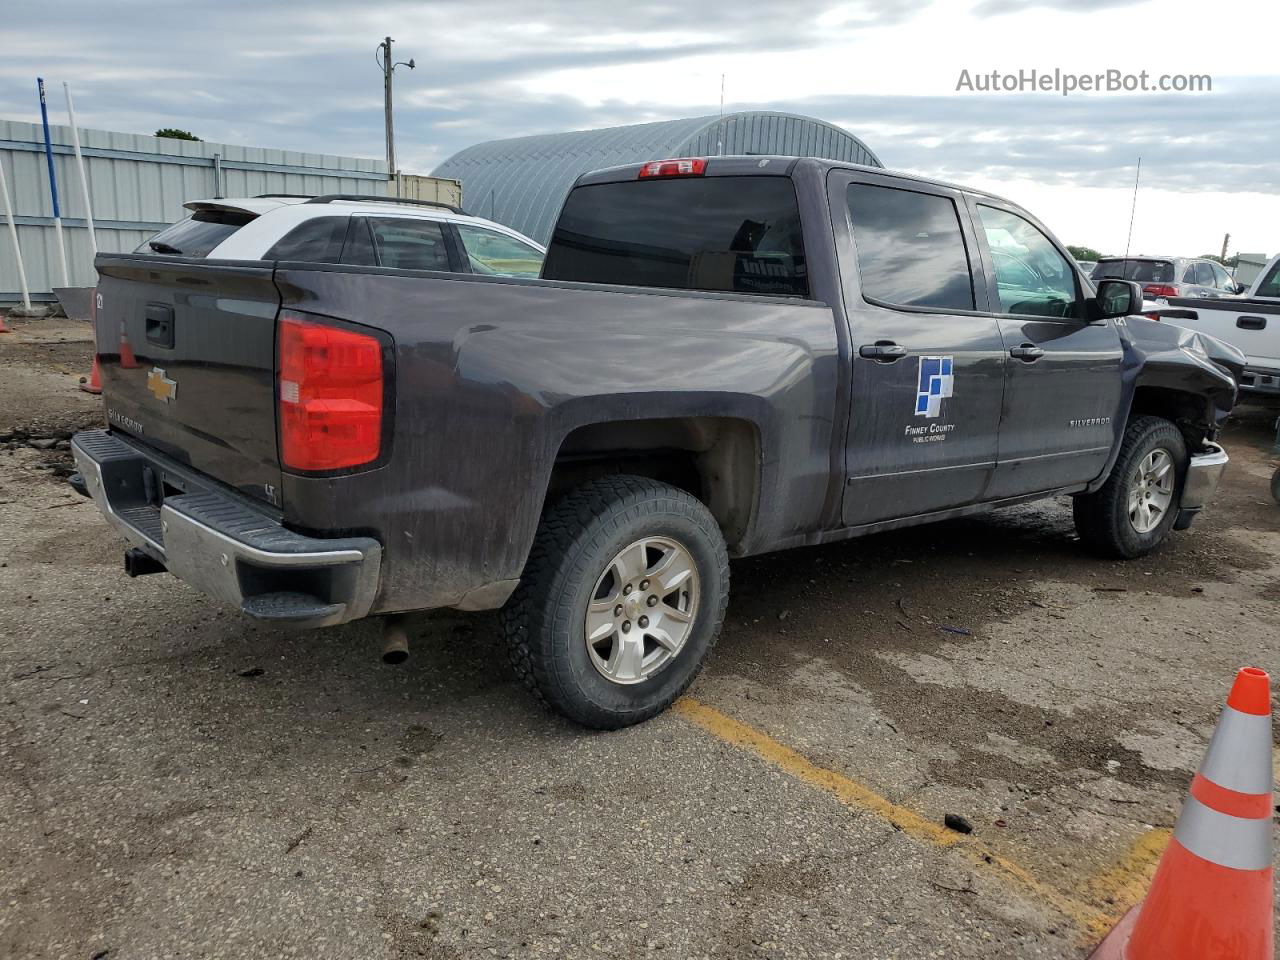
723	357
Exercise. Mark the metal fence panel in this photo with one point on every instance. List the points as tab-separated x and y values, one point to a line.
137	185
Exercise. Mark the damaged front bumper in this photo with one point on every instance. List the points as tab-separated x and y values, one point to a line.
1203	474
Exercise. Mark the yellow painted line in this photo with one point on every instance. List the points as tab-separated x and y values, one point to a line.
1090	921
1128	879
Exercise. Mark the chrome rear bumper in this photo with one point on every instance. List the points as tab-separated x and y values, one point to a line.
223	544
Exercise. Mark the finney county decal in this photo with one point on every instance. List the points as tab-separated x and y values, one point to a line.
934	384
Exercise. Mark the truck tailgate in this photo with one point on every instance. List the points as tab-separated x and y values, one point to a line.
187	351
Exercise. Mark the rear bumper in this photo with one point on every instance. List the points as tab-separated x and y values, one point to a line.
223	544
1203	474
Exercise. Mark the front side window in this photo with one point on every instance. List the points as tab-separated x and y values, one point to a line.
407	244
911	250
496	254
735	234
316	241
1270	285
1033	278
1221	279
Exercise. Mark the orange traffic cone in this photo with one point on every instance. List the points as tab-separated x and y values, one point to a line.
94	383
1211	897
127	360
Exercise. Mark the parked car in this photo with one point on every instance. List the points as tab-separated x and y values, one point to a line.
724	357
1250	323
348	229
1169	276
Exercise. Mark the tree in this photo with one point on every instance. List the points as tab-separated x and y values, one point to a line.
173	133
1083	253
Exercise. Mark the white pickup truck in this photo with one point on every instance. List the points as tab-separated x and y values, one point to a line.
1250	323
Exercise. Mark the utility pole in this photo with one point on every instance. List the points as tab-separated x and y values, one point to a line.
383	58
1225	240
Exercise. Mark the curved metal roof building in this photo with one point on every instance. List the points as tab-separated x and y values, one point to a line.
523	181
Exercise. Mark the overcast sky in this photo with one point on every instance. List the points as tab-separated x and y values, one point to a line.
302	76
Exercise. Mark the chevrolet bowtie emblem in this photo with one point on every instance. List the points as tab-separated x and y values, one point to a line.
161	386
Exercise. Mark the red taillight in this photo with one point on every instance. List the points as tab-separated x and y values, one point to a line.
331	389
679	167
1160	290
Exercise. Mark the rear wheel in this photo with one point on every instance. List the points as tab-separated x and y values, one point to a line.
1133	512
620	602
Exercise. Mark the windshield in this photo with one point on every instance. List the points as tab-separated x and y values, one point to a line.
196	235
1143	271
737	234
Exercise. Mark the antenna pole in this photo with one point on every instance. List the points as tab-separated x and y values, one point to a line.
1134	209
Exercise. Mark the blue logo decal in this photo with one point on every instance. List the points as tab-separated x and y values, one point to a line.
934	386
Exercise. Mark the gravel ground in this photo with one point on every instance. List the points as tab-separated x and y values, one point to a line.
178	782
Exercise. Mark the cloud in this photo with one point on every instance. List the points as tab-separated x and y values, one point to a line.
304	78
992	8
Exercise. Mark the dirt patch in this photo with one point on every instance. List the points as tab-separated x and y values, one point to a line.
41	363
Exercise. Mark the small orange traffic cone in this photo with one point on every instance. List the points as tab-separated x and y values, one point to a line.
94	383
1211	898
127	360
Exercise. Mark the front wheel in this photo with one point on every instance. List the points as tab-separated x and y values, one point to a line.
620	602
1133	512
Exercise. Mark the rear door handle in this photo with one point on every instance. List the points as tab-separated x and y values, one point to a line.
883	351
1027	353
1251	323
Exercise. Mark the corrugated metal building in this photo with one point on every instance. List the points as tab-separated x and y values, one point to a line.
523	181
138	185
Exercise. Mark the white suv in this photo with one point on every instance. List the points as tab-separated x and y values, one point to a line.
349	229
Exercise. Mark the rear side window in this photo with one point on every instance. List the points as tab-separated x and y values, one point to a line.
316	241
196	235
1143	271
405	244
911	251
734	234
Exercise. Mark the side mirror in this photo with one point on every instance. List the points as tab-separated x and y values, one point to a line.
1238	288
1118	298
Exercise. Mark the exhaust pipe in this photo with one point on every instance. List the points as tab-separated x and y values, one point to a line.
395	640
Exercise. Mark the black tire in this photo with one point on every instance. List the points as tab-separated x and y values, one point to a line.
1102	518
577	538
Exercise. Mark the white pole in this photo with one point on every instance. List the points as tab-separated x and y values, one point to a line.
13	235
84	179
